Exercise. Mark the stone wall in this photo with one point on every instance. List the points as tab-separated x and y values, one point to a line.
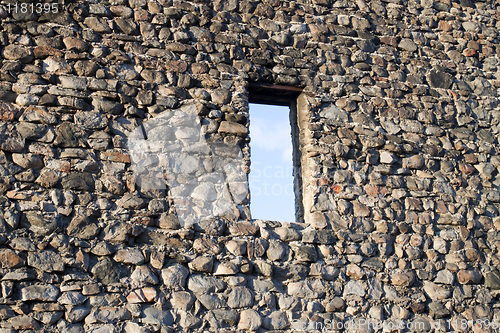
399	141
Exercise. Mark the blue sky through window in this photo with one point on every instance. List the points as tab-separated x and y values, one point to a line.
271	176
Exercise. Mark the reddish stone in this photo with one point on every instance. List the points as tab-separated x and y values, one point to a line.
48	307
243	229
44	51
470	52
144	220
144	295
337	188
59	165
444	26
9	111
16	195
75	44
466	168
264	10
142	15
470	158
175	243
323	181
403	279
354	272
115	156
469	277
372	190
392	41
441	207
233	128
179	48
198	68
178	66
207	245
472	255
9	259
82	258
417	307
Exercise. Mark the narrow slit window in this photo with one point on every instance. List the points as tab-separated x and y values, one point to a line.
271	179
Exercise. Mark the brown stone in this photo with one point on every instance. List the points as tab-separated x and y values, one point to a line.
9	111
11	144
178	66
130	256
208	246
444	26
9	259
144	295
142	15
48	178
469	277
466	168
18	52
42	52
23	322
115	156
469	53
405	279
243	229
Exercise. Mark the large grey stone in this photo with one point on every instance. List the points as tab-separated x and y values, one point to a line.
334	114
276	250
229	317
47	261
18	52
153	315
72	298
211	301
130	201
31	131
182	300
69	135
97	24
107	106
354	288
132	256
214	227
174	277
39	223
107	271
250	320
307	289
40	292
111	314
83	227
437	310
205	284
240	297
143	275
80	181
91	120
407	45
77	313
492	280
439	80
277	320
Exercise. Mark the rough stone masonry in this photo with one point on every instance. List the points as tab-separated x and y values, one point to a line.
399	138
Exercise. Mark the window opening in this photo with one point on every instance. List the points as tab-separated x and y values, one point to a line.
272	195
275	178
